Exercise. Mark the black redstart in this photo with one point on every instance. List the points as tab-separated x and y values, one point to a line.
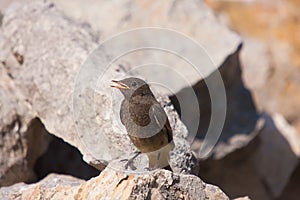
145	120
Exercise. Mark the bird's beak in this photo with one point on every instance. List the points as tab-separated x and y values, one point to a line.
119	85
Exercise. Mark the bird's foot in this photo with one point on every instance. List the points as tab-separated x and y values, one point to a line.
130	161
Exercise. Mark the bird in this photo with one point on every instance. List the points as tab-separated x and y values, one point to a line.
146	122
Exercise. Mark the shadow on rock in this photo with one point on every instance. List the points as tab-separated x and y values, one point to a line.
63	158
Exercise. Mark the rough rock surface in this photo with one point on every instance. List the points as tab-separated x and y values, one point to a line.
58	54
247	141
51	58
270	63
267	162
241	116
192	18
271	54
160	184
41	53
55	57
22	137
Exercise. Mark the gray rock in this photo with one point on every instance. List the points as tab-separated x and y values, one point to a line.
273	144
160	184
22	137
241	116
280	147
291	190
269	64
52	50
248	138
53	186
58	54
183	159
192	18
55	58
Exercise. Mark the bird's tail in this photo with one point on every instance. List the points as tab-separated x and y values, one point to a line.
161	157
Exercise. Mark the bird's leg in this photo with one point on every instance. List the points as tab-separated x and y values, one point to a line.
159	158
157	161
153	160
130	161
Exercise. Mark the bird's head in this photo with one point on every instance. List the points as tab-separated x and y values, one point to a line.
131	87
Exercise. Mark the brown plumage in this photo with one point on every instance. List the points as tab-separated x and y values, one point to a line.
145	120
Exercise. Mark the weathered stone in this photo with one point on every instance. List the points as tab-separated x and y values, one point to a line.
56	56
268	160
192	18
291	190
245	136
22	137
271	54
241	116
53	186
159	184
63	158
277	138
51	58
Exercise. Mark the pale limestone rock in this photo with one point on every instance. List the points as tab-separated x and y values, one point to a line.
159	184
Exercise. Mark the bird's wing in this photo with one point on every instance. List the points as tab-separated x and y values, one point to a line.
122	111
161	119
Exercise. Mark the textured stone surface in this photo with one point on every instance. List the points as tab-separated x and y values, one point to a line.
183	16
273	46
192	18
160	184
56	56
63	158
22	138
270	64
53	186
241	116
51	55
41	52
266	162
277	138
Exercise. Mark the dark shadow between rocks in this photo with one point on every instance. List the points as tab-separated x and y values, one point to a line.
292	189
20	150
259	170
62	158
241	114
241	163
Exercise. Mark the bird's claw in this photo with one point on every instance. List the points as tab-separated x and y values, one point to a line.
130	161
130	164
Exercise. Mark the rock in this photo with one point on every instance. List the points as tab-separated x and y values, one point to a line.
62	158
270	64
159	184
203	26
189	17
291	190
244	137
277	138
52	57
183	159
242	198
22	137
56	58
271	52
23	134
53	186
256	163
241	118
271	71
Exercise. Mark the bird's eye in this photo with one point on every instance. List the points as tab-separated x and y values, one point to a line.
133	84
